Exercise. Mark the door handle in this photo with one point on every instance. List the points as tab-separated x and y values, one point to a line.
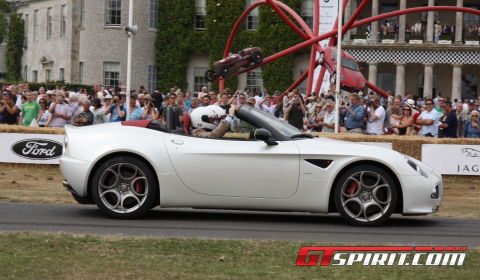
178	142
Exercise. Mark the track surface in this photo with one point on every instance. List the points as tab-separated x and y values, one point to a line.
79	219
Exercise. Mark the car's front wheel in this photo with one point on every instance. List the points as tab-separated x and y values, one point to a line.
365	196
256	57
333	79
124	187
321	58
224	71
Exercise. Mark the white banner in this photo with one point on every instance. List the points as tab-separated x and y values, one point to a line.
31	148
328	15
452	159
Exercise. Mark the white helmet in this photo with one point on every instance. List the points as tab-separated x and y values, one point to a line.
207	117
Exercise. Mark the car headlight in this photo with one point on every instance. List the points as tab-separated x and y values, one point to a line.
415	167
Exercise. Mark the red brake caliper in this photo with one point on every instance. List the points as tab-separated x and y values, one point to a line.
353	188
138	186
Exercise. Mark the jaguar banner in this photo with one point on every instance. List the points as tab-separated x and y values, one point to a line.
452	159
31	148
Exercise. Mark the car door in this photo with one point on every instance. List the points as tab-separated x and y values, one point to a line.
235	168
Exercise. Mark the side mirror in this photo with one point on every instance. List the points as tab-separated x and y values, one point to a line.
264	135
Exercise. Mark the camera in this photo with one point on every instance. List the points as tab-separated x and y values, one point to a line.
369	103
115	101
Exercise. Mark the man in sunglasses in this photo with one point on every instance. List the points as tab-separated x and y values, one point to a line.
429	120
353	115
450	124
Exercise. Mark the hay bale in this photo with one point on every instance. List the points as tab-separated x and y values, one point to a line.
4	128
409	145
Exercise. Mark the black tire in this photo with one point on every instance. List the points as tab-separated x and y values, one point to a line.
333	78
224	71
128	203
256	57
321	58
210	75
380	200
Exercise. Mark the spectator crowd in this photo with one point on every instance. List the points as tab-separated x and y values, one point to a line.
370	114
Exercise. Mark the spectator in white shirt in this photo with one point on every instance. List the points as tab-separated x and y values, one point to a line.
429	120
375	116
269	107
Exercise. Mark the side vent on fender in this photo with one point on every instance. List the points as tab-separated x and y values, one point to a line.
322	163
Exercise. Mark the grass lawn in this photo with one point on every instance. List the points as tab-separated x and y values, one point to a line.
44	185
63	256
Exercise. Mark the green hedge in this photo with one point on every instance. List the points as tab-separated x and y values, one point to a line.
15	47
4	11
177	40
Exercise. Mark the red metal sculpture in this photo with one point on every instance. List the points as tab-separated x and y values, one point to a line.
312	39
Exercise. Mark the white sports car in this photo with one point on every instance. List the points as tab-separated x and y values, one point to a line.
130	167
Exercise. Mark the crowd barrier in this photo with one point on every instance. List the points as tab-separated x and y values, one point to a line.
461	155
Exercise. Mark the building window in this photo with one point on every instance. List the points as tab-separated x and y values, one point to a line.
48	75
35	25
25	73
152	78
153	14
49	23
469	86
82	13
113	12
81	73
254	80
252	18
63	24
386	81
25	37
35	76
199	78
111	74
303	86
387	8
2	77
200	13
471	19
307	12
61	76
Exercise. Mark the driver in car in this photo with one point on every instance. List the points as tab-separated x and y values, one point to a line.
211	121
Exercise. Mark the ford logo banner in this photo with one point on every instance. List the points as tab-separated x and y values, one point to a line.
37	149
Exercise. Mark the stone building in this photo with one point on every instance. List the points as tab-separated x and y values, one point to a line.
83	41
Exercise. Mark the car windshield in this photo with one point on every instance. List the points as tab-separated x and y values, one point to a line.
347	63
284	128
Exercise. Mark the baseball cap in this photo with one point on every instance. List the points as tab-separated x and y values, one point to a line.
471	102
96	100
251	100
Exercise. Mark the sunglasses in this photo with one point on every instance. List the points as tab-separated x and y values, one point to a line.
318	107
7	95
474	116
406	110
441	100
328	106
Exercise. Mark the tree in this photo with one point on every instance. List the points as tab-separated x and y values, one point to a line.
16	30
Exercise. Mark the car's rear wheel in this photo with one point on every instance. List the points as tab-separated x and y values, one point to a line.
210	75
333	79
321	58
124	187
256	57
365	196
224	71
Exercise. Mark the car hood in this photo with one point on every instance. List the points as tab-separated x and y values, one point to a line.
339	148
